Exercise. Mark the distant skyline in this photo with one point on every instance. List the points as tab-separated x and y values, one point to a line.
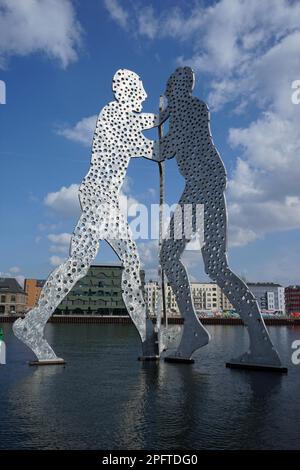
57	59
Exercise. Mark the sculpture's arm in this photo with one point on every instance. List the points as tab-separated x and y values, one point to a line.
145	148
152	151
149	120
159	151
157	154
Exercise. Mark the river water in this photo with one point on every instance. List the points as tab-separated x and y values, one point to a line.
105	399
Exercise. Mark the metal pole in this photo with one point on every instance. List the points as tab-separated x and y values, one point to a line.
161	167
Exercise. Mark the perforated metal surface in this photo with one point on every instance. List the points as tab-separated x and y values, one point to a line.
117	138
189	140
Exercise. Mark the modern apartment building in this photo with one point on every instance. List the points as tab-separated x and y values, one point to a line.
98	293
151	297
270	296
206	296
33	289
292	299
12	297
209	296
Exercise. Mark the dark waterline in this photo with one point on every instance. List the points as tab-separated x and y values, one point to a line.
105	399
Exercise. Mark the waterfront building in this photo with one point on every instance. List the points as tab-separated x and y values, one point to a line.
292	299
151	296
206	296
12	297
270	296
209	296
98	293
33	289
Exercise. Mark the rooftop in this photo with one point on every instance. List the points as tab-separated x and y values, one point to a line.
272	284
10	285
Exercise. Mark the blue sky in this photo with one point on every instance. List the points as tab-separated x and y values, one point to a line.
57	58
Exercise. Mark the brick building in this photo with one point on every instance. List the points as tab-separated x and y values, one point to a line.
33	289
292	299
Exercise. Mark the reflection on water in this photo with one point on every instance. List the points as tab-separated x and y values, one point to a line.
104	398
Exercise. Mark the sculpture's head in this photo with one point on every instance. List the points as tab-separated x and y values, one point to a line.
180	84
128	89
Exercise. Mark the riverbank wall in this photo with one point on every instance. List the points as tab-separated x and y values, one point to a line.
125	320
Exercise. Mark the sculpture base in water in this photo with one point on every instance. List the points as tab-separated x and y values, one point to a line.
261	367
179	360
53	362
148	358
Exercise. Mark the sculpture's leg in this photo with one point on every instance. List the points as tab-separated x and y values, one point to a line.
194	335
261	350
30	330
126	249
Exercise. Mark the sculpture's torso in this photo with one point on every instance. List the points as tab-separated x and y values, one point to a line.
197	157
116	139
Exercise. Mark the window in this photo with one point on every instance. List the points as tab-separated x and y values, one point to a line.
12	298
3	299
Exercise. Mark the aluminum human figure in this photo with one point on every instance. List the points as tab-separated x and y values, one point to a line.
118	137
189	140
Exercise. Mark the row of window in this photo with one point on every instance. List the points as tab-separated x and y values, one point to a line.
12	309
5	298
91	302
90	293
79	311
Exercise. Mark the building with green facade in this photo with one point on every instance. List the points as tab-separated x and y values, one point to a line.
98	293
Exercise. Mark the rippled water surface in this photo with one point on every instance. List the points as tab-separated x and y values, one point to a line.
105	399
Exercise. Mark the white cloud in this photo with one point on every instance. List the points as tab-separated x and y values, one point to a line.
246	51
148	22
247	47
59	249
82	131
31	26
56	260
14	269
61	242
47	226
65	201
60	238
240	236
117	12
148	252
271	144
264	192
